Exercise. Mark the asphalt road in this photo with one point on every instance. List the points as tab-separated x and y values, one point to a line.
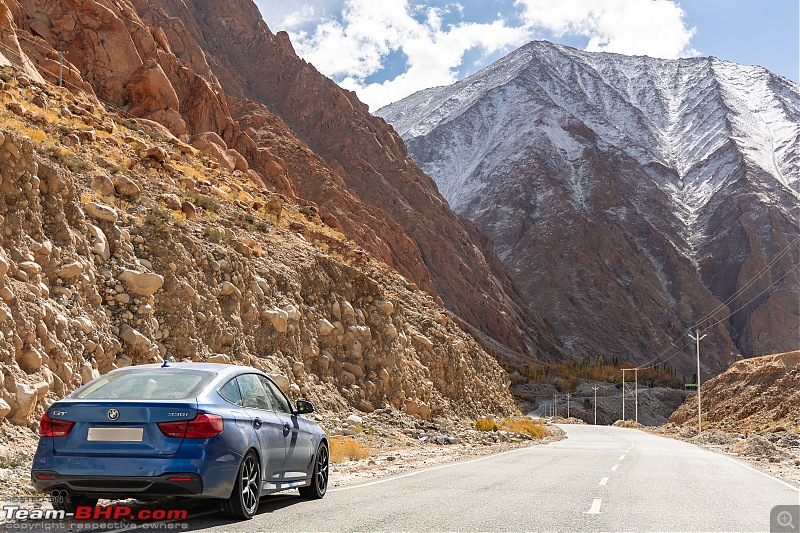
600	478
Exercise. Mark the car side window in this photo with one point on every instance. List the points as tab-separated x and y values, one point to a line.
230	393
254	395
279	402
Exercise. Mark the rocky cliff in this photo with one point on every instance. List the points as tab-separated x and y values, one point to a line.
121	244
630	197
200	67
758	394
444	255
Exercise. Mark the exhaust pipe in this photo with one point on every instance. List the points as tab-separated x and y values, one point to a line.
59	495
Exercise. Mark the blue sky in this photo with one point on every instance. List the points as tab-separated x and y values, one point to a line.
387	49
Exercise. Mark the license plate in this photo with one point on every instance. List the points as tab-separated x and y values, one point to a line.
115	434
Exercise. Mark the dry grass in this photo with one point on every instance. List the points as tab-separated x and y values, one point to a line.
36	134
484	424
180	218
89	196
534	428
347	449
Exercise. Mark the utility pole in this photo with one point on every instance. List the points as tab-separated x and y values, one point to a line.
568	405
60	68
623	390
636	378
555	406
623	394
595	404
697	338
636	389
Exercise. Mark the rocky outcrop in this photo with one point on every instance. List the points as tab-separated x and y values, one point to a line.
757	394
11	49
91	279
109	51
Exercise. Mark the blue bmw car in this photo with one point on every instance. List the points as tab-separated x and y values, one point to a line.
194	430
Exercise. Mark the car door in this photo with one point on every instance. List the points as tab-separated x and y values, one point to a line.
256	402
299	444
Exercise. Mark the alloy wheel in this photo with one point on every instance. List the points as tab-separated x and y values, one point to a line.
249	484
322	469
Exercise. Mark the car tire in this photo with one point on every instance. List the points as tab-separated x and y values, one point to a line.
64	500
243	502
319	478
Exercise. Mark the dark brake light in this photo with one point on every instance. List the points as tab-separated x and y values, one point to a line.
202	426
54	428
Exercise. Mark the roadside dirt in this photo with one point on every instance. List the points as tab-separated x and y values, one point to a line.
776	453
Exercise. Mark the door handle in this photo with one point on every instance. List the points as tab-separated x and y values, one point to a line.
256	423
286	426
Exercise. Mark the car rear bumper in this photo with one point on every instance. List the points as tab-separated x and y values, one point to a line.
214	467
172	484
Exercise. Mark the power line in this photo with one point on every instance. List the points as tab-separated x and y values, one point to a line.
657	360
755	297
750	282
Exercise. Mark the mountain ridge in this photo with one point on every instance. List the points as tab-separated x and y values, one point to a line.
646	149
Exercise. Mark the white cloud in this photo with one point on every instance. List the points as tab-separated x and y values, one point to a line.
296	19
297	16
635	27
355	47
350	40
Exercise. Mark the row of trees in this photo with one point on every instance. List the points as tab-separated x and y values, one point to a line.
565	376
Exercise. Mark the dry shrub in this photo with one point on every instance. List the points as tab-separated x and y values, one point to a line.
347	449
485	424
534	428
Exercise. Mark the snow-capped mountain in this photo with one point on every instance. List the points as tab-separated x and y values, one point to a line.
630	196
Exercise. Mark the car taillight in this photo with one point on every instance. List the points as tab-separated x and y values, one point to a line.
202	426
54	428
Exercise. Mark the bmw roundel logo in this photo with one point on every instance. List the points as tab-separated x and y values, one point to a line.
113	414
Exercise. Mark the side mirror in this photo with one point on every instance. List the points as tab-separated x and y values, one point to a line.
303	407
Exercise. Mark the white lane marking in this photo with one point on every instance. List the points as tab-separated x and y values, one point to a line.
417	472
622	457
614	467
603	481
595	508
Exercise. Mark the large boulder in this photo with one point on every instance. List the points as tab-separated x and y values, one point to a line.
142	283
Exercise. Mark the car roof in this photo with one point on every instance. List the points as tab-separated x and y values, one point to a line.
218	368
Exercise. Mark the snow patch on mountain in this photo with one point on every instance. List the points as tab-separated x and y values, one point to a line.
692	121
628	196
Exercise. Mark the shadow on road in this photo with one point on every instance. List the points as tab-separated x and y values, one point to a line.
268	505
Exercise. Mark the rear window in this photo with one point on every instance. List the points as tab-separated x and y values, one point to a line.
151	384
